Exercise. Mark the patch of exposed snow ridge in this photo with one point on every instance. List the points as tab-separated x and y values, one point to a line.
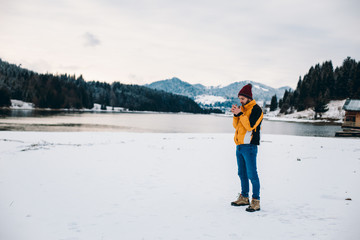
208	99
258	87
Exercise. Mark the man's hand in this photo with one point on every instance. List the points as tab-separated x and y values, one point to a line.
235	109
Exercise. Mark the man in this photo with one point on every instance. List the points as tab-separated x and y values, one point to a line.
247	121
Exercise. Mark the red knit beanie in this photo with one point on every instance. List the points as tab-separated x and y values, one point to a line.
246	91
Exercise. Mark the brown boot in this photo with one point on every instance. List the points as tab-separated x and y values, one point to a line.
241	201
254	206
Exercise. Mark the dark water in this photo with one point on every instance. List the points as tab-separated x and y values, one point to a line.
17	120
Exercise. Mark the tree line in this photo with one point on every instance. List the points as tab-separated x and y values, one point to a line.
320	85
71	92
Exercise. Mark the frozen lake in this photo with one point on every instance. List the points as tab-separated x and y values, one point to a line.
149	122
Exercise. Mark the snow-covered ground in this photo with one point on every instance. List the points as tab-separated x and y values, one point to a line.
17	104
174	186
335	113
21	105
97	108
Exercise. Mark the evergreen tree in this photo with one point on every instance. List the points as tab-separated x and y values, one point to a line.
4	97
321	84
356	82
344	79
320	106
286	102
280	103
274	103
328	81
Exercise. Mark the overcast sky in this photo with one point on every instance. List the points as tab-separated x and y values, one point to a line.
212	42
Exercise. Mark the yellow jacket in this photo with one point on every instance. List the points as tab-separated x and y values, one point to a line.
247	124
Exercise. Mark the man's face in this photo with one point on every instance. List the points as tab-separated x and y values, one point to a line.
244	100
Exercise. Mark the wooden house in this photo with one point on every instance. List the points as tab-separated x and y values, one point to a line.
352	114
351	124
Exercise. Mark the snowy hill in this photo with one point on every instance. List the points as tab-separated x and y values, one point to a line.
177	86
335	113
216	96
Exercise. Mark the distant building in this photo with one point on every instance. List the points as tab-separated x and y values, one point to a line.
352	113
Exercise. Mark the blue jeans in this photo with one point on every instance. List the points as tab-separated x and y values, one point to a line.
246	160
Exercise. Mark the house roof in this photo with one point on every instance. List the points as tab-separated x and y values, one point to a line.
352	105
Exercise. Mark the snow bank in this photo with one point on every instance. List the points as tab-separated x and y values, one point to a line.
17	104
335	113
174	186
97	108
21	105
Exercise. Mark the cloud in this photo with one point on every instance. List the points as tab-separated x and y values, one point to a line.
91	40
200	41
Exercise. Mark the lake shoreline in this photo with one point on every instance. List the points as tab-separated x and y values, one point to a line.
154	123
4	112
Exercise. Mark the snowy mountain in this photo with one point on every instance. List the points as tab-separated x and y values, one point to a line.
177	86
217	96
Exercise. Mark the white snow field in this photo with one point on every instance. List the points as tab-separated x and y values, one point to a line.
174	186
335	113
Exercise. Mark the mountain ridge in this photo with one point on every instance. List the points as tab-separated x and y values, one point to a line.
261	92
